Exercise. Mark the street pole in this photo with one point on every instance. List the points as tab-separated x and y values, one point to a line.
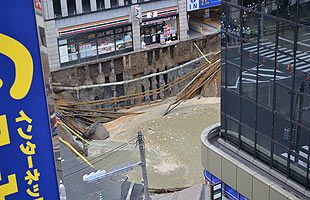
143	165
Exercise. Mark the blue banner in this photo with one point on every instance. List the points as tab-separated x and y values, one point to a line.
27	168
209	3
201	4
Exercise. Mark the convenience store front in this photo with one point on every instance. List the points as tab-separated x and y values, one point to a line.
159	26
96	40
216	189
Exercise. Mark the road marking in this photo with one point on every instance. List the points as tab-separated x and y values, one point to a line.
280	56
270	70
267	53
305	40
249	80
250	47
303	67
129	191
299	63
288	62
284	59
290	41
261	48
308	70
301	54
307	56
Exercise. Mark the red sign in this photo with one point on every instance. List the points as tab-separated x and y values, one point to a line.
38	5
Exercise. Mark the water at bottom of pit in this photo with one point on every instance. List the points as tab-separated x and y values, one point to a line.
173	145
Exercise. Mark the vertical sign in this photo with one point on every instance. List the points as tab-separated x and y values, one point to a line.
216	191
192	5
201	4
38	6
27	168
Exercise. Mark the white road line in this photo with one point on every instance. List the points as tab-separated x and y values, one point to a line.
249	80
288	62
290	41
299	63
304	57
281	48
305	147
255	46
263	51
265	43
298	55
247	74
305	40
270	70
303	67
308	70
302	154
250	47
280	56
130	191
263	48
285	59
267	53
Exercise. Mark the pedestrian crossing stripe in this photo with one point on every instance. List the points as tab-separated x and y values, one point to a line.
302	155
284	55
249	76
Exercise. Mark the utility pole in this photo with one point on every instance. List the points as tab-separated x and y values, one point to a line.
100	174
143	165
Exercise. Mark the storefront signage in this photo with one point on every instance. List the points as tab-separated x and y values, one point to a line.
171	11
27	169
38	6
201	4
216	191
158	21
151	14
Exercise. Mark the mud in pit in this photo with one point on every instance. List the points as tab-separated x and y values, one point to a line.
173	147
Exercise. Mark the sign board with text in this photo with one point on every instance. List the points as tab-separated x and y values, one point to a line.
27	168
201	4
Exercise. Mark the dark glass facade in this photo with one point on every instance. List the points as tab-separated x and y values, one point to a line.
265	107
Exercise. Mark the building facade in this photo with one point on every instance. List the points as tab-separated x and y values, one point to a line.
265	107
79	31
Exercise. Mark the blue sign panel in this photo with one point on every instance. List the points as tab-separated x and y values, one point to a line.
208	3
27	169
201	4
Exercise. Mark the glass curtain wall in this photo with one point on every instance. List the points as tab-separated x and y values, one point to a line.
265	107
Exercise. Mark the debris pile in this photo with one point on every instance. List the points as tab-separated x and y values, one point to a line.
198	84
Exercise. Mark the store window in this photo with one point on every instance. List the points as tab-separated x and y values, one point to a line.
71	7
68	50
87	46
100	4
159	31
42	36
101	43
106	42
114	3
128	2
57	8
86	5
